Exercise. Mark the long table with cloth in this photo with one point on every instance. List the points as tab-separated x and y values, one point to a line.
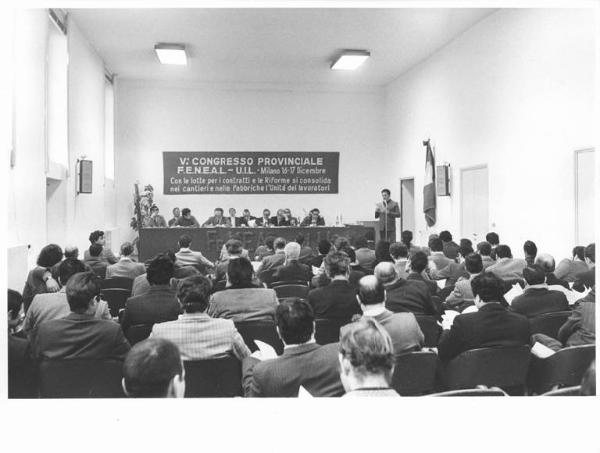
209	241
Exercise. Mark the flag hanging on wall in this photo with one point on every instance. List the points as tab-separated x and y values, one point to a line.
429	186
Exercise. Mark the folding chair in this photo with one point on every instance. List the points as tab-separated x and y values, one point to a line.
549	323
116	299
495	391
292	290
117	283
414	373
430	328
328	330
566	391
81	378
264	331
565	368
138	332
504	367
213	378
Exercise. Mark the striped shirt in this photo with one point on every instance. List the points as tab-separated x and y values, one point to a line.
201	337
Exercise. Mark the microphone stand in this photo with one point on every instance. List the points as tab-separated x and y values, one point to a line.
385	220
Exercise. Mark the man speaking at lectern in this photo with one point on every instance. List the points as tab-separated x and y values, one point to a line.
386	212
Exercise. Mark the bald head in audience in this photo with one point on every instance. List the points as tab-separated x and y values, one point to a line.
153	369
546	262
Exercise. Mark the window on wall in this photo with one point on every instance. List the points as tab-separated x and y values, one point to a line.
57	61
109	130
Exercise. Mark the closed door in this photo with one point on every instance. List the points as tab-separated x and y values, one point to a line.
407	204
584	196
474	203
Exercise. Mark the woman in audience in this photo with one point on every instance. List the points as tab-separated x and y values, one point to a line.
39	279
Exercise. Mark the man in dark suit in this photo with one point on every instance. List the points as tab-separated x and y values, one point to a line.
492	325
21	375
159	303
217	219
587	279
95	260
537	299
269	263
313	219
403	327
547	263
97	237
453	271
450	247
387	211
292	269
402	295
246	218
303	363
485	250
323	248
265	220
418	266
80	335
337	300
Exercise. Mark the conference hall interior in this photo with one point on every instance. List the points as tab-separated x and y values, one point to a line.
301	202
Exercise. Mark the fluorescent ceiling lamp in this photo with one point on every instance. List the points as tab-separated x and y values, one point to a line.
349	60
171	53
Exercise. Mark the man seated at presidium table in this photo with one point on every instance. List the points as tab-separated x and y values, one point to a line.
387	211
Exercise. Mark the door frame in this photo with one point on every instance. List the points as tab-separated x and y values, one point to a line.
462	170
407	178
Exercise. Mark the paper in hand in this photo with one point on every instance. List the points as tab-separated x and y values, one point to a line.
515	291
266	350
541	351
303	393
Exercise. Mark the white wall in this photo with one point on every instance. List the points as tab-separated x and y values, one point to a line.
514	92
153	117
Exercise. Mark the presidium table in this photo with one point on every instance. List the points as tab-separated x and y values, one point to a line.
210	240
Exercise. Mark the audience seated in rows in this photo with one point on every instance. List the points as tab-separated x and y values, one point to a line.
242	299
159	303
337	299
95	261
126	266
462	296
587	278
80	335
366	359
197	335
485	250
364	255
188	257
402	295
40	280
418	272
303	363
450	247
97	237
292	269
454	270
492	325
537	299
403	328
507	267
569	268
47	306
153	369
399	253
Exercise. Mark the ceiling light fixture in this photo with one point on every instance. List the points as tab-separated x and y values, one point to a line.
171	53
349	60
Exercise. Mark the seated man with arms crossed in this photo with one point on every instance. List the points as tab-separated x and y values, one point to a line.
153	369
197	335
80	335
366	359
303	363
492	325
402	327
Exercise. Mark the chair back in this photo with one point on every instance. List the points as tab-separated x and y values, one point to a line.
495	391
264	331
328	330
566	391
138	332
266	276
430	328
292	290
290	282
504	367
115	298
414	373
213	378
549	323
564	368
117	282
81	378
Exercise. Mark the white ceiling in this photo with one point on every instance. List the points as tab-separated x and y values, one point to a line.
271	46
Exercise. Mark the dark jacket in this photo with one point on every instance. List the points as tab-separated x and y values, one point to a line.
585	280
537	301
451	249
493	325
337	300
409	296
431	285
158	304
292	271
314	367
